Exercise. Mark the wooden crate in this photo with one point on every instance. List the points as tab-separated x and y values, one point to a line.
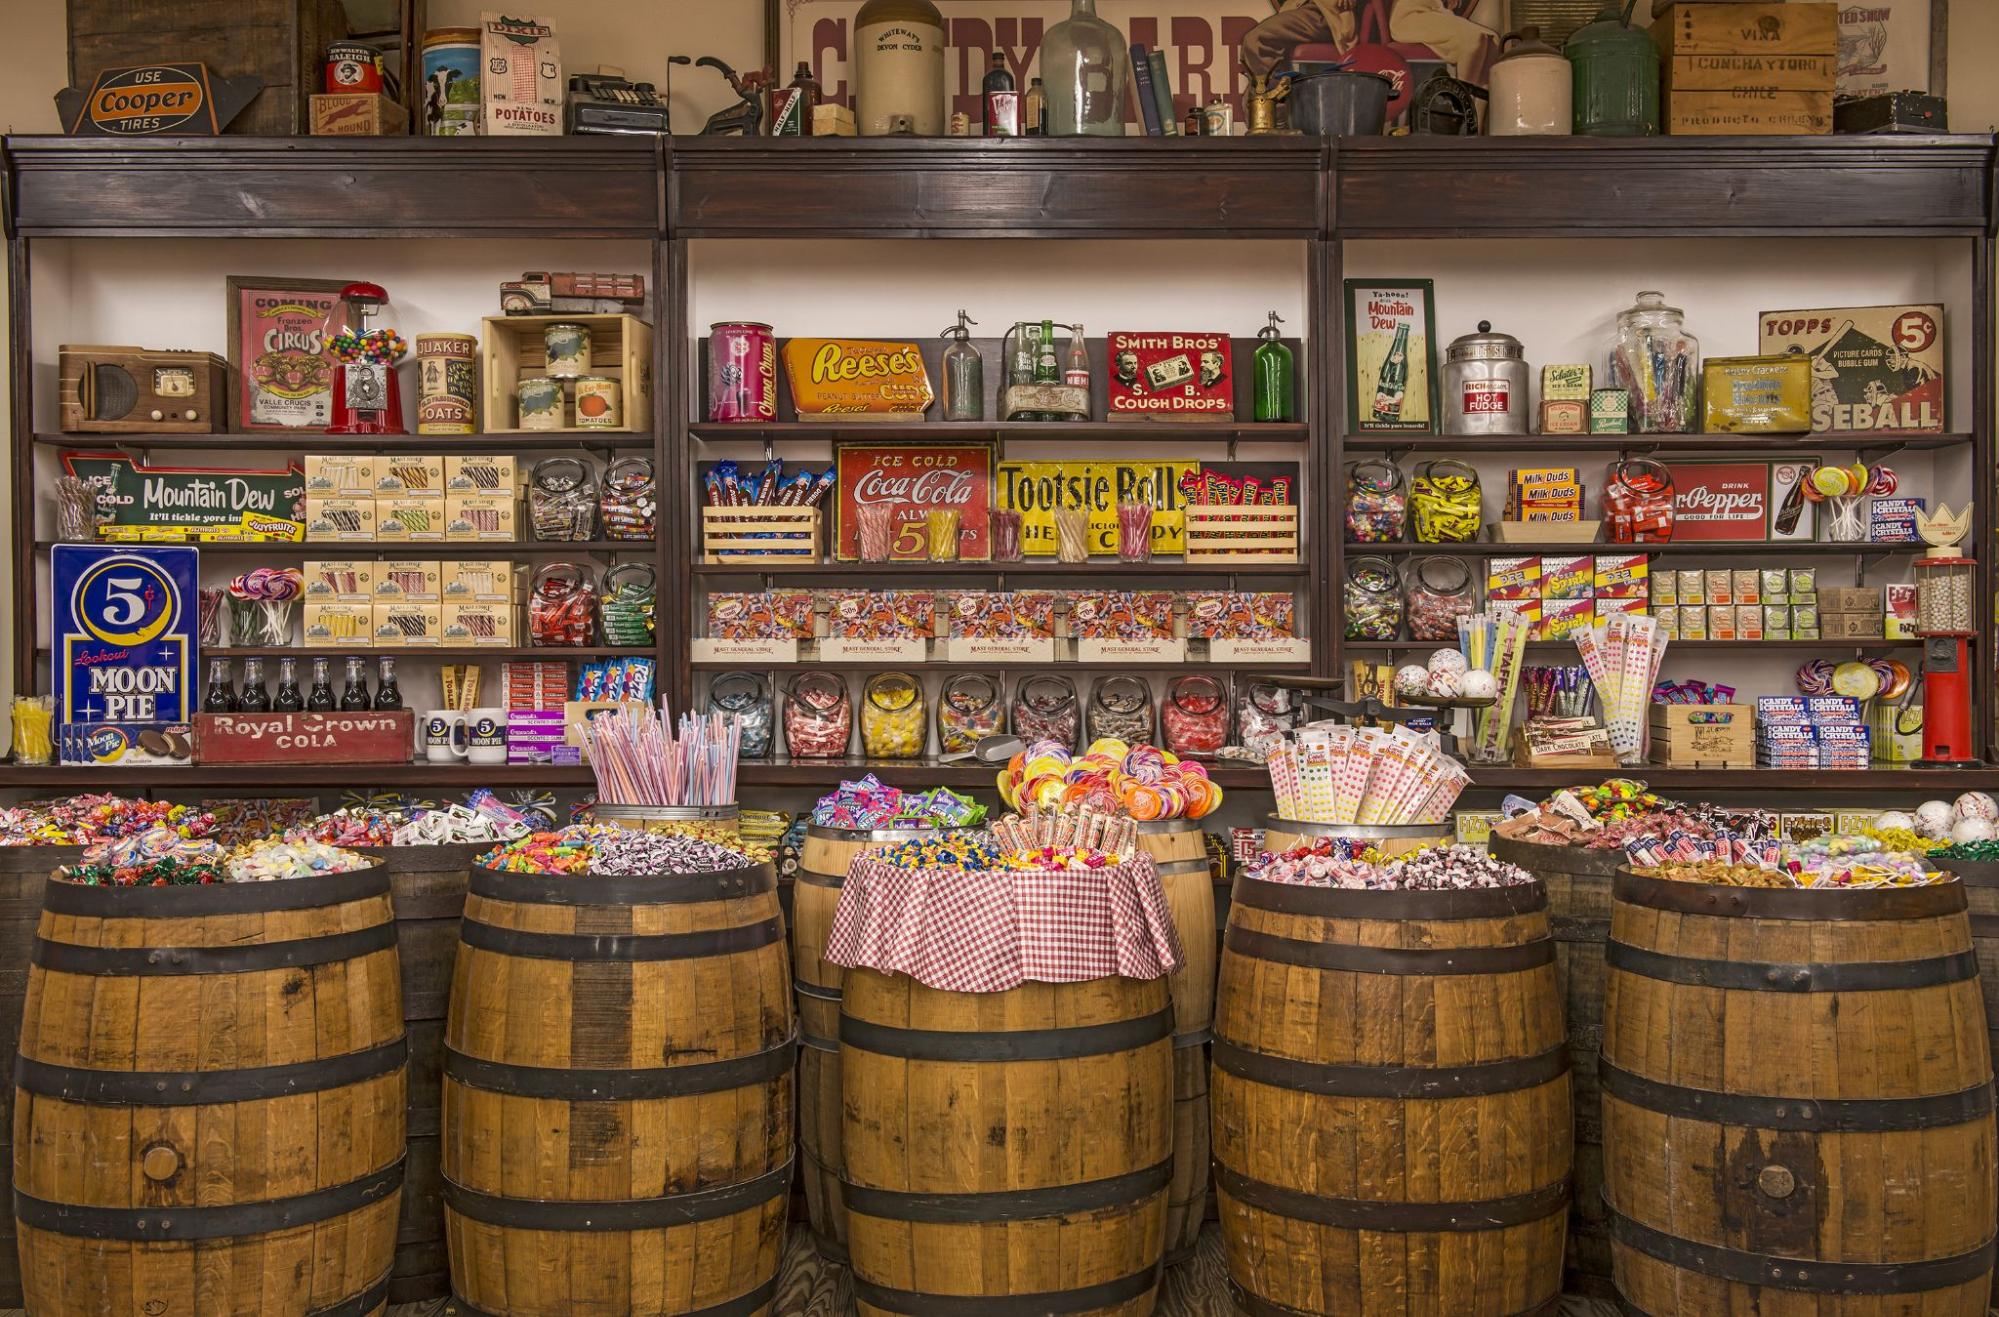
281	41
1225	533
1748	111
779	535
513	346
1802	27
1704	735
1546	532
1747	69
1729	72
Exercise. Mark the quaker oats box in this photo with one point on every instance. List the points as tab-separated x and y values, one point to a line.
1873	367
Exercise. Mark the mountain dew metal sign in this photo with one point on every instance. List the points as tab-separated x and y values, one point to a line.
124	635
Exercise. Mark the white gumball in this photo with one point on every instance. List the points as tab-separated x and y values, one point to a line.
1968	830
1478	684
1894	818
1448	660
1411	680
1933	819
1975	805
1446	685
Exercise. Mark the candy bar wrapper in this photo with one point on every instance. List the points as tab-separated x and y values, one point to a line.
1121	614
881	615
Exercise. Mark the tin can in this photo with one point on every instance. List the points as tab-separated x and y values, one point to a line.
600	403
742	372
540	402
451	103
353	68
568	349
446	381
1485	384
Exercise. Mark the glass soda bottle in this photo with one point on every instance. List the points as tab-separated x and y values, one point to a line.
1274	380
1077	373
354	696
320	698
255	698
387	696
220	696
288	699
964	374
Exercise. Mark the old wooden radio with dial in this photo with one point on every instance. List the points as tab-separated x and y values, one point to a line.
123	390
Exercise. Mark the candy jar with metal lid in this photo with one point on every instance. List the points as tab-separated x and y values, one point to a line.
1656	361
964	372
1615	71
562	606
894	722
968	708
1264	716
1377	510
818	716
562	500
745	695
1441	590
1121	708
1638	502
1531	88
1195	718
1485	383
1447	499
366	398
1045	708
1373	597
1275	381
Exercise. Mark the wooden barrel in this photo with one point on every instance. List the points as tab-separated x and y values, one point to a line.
666	818
822	871
1280	835
1797	1101
617	1120
427	884
209	1100
1179	851
1007	1152
1578	883
1981	894
23	872
1391	1102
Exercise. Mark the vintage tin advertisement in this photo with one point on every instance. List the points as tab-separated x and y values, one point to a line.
851	377
446	381
1724	501
914	479
1873	367
1036	489
742	372
163	496
1171	375
1391	363
1756	395
125	649
523	85
278	353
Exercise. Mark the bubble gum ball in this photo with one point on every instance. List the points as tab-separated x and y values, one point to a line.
1933	818
1893	820
1968	830
1975	805
1411	680
1478	684
1448	660
1445	685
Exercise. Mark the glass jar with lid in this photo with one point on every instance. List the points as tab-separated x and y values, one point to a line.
1377	509
968	708
1045	708
818	716
1441	591
745	695
1121	708
1373	596
1195	717
894	723
1656	361
1446	498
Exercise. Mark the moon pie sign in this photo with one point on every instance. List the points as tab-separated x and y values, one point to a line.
125	646
151	100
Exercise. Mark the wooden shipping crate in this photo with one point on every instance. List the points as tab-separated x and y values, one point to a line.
281	41
1229	533
1803	27
1704	735
1728	72
748	534
361	115
515	346
1748	111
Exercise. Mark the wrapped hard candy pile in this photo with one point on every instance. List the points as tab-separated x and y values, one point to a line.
870	804
90	819
1446	869
612	852
160	859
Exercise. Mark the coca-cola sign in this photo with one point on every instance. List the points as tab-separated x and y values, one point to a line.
912	480
1721	501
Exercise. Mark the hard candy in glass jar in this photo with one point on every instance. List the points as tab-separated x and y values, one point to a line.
968	708
894	722
1440	592
1121	709
1373	596
818	716
1377	509
1045	708
745	695
1196	716
562	606
562	500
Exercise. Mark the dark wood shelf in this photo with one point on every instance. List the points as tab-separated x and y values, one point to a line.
1108	568
1773	444
292	779
942	665
542	654
1679	781
1230	776
427	551
1672	646
305	441
1762	548
964	431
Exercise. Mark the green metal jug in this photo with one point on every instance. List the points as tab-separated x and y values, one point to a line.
1617	76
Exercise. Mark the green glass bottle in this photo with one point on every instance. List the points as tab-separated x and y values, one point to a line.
1616	75
1274	381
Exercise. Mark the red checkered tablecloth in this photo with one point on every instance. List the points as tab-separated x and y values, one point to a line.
988	932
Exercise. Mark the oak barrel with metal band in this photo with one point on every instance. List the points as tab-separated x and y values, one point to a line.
1391	1080
1798	1100
209	1099
1981	895
23	872
1280	835
617	1111
1008	1153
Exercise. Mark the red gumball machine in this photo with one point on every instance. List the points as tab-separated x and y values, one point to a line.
366	397
1946	586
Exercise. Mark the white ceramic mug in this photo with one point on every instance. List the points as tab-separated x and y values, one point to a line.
486	736
446	736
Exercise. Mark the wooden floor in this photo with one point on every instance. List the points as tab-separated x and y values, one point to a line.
811	1287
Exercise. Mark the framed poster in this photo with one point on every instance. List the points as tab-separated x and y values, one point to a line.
124	644
1891	45
1391	335
280	369
913	479
142	495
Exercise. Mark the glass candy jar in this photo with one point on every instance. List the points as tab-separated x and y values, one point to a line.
1657	362
562	500
1195	718
1045	708
1121	708
1265	714
1446	498
1373	595
745	695
894	723
1440	592
1377	503
818	716
562	606
968	708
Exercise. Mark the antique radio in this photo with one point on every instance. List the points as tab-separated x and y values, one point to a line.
121	390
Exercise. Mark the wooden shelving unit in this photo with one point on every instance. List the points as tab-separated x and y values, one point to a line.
1319	193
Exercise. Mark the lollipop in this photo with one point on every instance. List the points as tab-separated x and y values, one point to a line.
261	600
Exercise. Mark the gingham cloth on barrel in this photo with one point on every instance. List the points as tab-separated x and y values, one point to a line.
988	932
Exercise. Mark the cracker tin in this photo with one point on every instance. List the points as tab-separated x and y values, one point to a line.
1756	395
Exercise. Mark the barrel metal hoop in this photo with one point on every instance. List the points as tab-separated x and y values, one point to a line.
1806	1275
632	1214
818	1044
243	958
1382	1081
218	1222
741	1306
634	1085
808	878
1433	907
1255	1305
1193	1038
621	946
1106	1295
1764	976
1376	1214
1128	1190
360	1305
1021	1045
596	889
190	1088
319	892
1391	960
1812	1115
1813	904
817	993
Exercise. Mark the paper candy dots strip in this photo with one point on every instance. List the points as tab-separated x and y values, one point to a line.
1364	775
1140	781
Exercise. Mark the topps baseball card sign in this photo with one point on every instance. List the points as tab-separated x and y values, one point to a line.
1171	376
1873	367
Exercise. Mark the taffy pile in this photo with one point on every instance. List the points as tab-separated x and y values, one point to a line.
91	819
1139	781
481	821
987	852
612	852
870	804
1445	869
158	858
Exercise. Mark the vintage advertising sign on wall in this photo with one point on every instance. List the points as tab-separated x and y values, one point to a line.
1170	375
1036	489
155	100
135	495
1721	500
124	641
914	478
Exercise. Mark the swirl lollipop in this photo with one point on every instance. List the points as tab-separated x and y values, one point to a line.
262	601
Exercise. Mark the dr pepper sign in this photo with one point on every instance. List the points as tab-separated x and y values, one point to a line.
124	633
